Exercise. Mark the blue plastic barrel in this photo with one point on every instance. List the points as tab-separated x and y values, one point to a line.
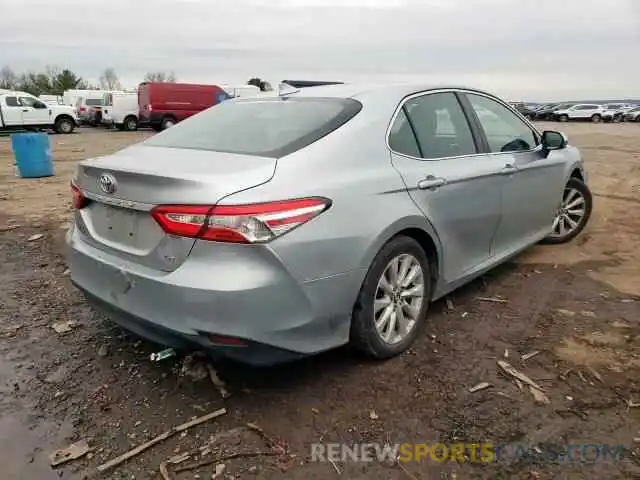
33	154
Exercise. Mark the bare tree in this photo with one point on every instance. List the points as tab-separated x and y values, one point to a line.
160	77
8	78
109	80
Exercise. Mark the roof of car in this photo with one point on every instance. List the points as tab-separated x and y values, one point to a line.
353	90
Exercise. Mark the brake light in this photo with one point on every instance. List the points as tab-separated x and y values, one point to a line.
78	199
251	223
149	108
82	109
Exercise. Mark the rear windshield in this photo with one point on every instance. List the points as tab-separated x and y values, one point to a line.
268	127
94	102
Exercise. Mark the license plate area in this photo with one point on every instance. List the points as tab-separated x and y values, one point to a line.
124	228
121	224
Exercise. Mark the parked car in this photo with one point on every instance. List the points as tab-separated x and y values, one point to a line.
162	105
632	115
614	112
266	229
526	109
581	111
21	110
545	112
121	110
86	108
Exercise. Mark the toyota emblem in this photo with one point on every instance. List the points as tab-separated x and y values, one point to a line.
107	183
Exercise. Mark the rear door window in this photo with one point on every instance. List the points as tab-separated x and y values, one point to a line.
12	102
440	126
269	127
94	102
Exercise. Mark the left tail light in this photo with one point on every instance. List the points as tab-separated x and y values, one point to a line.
78	199
250	223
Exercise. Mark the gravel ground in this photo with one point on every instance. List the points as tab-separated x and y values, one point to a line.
578	305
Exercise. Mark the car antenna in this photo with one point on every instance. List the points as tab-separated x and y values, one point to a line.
286	89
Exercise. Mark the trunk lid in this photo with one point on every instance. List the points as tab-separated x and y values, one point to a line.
124	187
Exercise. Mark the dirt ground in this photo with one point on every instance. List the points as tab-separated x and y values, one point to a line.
578	305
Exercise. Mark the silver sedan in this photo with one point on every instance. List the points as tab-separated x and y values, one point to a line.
265	229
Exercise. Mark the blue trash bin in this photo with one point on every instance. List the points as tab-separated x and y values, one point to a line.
33	154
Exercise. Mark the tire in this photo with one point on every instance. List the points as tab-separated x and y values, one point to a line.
596	118
167	122
64	125
364	334
583	190
616	119
130	124
563	118
157	128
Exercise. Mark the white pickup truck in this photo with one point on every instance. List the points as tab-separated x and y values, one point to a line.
21	110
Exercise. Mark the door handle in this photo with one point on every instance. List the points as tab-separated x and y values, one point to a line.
25	110
508	169
430	182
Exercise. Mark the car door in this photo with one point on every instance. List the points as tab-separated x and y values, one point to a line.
532	192
458	189
34	112
12	112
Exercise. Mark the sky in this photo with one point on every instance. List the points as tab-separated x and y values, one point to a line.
519	49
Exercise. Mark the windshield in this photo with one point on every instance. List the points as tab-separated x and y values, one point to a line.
272	127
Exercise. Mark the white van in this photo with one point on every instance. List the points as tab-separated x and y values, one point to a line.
51	99
121	109
241	90
71	97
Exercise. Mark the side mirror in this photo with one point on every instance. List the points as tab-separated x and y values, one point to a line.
554	140
39	105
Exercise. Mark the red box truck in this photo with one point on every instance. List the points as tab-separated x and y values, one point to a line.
162	105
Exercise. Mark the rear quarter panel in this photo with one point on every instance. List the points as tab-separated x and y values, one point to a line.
370	204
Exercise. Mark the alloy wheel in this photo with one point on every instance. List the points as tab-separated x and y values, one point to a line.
398	299
570	214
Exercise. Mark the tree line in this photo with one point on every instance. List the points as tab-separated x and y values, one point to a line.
54	80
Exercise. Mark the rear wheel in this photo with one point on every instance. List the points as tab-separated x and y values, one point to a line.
573	214
393	300
596	118
131	123
563	118
168	122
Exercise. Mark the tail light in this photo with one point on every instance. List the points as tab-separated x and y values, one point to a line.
79	200
82	109
251	223
149	108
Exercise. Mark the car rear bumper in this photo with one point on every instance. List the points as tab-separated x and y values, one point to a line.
251	298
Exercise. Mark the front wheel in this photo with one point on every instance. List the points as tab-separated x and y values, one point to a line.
563	118
64	125
573	214
392	304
